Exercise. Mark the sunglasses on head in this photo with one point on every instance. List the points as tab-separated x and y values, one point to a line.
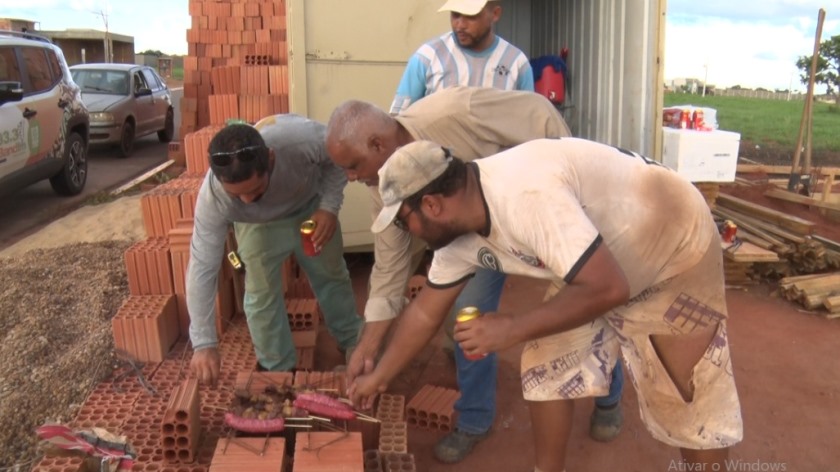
225	158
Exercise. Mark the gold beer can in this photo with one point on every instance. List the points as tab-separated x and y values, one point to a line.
467	313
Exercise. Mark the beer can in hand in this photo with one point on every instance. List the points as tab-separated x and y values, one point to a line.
307	230
465	314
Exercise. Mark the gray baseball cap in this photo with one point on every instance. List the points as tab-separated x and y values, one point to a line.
406	172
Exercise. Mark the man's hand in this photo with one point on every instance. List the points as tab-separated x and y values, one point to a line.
205	364
489	333
364	390
325	224
361	363
367	349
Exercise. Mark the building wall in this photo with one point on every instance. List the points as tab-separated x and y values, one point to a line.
123	52
146	60
16	25
94	51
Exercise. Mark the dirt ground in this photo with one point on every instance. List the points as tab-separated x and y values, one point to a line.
55	343
55	335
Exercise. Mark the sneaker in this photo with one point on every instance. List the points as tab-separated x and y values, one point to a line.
605	424
456	446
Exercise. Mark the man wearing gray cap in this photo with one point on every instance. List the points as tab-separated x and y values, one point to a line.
640	272
471	54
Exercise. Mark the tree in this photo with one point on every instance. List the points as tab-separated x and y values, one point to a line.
828	67
150	52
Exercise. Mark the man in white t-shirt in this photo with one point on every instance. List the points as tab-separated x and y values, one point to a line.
474	122
637	258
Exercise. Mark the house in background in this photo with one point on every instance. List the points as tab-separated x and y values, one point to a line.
83	46
163	64
14	24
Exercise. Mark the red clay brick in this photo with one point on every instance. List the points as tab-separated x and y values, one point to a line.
181	422
328	451
237	455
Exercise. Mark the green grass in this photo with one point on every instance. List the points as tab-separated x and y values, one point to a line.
178	73
769	121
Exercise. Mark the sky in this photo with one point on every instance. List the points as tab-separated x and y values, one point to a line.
751	43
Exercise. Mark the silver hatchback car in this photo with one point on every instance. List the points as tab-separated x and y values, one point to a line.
126	101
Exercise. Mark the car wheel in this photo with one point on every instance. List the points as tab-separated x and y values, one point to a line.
168	132
127	139
72	177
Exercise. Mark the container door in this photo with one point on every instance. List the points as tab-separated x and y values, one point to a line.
358	50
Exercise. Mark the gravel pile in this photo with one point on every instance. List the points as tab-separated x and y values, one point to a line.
55	336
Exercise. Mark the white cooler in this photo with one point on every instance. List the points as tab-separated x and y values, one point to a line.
701	156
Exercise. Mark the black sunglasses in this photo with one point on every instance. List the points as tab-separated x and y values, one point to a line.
399	221
225	158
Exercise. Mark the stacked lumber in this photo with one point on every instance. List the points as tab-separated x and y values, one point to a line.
790	237
814	291
738	273
709	190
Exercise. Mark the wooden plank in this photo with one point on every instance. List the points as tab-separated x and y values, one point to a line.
832	303
828	183
833	245
143	177
748	252
767	169
763	226
797	225
826	282
796	198
786	282
757	240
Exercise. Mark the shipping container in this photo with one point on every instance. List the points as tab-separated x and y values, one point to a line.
359	48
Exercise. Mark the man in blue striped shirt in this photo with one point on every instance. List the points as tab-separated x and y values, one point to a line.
471	54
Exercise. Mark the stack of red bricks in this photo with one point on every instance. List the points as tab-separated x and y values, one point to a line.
157	265
236	65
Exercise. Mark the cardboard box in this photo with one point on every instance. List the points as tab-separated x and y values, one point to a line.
701	156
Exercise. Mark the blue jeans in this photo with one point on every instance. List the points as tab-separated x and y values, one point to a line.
477	379
264	247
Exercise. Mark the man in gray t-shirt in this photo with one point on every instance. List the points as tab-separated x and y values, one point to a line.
266	180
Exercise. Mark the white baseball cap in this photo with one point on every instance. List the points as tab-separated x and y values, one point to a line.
464	7
406	172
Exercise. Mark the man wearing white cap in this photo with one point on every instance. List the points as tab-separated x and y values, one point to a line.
639	266
477	122
471	54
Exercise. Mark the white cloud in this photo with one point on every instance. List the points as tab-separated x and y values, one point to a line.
750	54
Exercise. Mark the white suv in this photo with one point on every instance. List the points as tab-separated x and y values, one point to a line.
44	125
